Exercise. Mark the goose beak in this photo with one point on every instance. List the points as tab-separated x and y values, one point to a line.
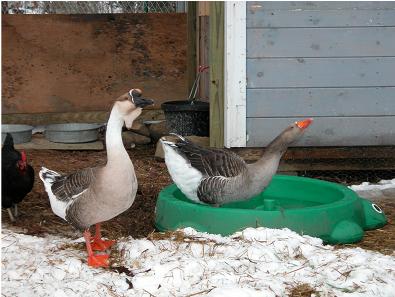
138	100
304	124
143	102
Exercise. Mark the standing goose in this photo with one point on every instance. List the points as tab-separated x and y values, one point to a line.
216	176
94	195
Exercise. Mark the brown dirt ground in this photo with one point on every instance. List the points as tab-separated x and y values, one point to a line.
36	217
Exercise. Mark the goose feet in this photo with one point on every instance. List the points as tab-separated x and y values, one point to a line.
98	260
99	244
94	260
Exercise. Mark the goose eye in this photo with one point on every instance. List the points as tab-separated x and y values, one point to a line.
377	208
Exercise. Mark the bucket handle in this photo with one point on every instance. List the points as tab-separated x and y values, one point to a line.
195	85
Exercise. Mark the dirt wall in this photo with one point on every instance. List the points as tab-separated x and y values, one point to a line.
76	63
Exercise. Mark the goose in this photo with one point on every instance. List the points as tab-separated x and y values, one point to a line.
215	176
93	195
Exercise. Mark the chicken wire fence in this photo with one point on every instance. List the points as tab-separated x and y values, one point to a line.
91	7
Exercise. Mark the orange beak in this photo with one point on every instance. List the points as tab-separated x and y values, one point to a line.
304	124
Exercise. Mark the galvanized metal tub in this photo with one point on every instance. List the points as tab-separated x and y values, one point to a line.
72	132
20	133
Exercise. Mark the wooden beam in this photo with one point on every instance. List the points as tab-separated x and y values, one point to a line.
336	165
216	58
204	8
329	158
204	27
36	119
38	142
235	130
192	43
322	153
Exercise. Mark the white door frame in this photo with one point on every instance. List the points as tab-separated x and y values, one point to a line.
235	77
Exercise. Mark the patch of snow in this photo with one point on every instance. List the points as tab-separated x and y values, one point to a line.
384	188
254	262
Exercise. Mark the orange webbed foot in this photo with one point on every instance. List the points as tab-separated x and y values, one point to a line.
98	260
101	245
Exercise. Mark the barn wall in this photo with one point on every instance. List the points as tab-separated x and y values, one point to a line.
334	61
78	63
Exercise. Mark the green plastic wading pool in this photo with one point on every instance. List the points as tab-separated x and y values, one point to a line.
308	206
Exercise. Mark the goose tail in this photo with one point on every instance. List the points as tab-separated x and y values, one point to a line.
48	176
174	144
179	136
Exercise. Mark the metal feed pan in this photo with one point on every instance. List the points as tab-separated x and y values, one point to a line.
72	132
20	133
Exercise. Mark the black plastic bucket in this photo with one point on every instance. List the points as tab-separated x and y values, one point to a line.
185	118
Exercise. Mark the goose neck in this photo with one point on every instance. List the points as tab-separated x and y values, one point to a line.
267	165
114	144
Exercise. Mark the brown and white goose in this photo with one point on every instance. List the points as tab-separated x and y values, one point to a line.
94	195
216	176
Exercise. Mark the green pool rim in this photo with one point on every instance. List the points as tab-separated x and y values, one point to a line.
346	217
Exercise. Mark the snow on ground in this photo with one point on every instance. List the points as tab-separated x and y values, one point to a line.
384	188
255	262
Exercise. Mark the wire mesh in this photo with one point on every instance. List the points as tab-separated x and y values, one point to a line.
90	7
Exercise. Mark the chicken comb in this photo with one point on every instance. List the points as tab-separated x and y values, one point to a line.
23	156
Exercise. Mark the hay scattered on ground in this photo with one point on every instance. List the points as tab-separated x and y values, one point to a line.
37	218
302	290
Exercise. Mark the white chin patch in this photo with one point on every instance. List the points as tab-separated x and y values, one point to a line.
131	117
129	122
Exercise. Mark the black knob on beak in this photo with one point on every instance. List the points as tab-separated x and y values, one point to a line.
138	100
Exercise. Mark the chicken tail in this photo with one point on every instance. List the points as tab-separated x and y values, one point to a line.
8	141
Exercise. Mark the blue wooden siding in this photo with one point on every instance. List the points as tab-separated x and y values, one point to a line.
334	61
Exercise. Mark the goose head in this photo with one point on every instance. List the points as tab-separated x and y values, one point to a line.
294	131
130	105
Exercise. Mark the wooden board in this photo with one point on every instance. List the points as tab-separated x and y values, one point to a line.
311	102
336	165
235	81
323	72
326	131
38	142
259	16
329	158
334	61
321	42
36	119
204	8
74	63
322	153
216	54
192	43
319	5
204	45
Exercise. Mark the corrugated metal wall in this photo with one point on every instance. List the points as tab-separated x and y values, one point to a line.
334	61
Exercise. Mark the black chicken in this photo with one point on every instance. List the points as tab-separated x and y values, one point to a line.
17	176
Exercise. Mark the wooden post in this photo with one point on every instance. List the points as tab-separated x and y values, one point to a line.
203	47
216	58
191	50
235	108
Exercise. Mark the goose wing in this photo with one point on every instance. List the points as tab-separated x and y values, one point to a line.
70	186
210	162
67	187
